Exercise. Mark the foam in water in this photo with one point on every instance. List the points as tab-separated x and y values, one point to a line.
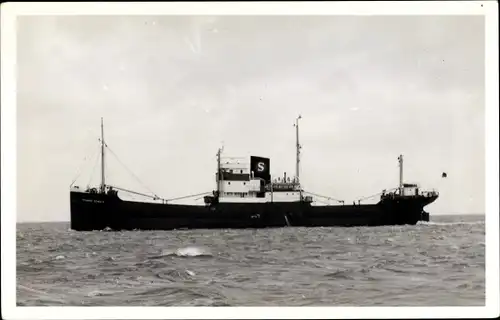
191	252
32	290
185	252
99	293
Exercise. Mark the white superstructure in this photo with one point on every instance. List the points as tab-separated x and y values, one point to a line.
238	183
243	181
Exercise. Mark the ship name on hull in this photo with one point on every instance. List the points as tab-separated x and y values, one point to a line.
93	200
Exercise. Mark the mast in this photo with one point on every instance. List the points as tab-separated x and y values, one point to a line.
103	181
400	158
271	189
297	164
219	174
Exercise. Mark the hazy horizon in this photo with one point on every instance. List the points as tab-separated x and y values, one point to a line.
173	89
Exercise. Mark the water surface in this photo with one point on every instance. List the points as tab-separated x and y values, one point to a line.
440	263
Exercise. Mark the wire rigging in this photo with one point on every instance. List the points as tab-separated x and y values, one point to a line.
158	198
377	194
369	197
130	171
137	193
80	170
325	197
93	170
190	196
342	201
324	202
155	196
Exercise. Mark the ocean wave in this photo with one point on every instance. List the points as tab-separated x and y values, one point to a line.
152	263
185	252
99	293
180	290
41	296
341	274
174	274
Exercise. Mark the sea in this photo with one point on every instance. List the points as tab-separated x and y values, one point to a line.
437	263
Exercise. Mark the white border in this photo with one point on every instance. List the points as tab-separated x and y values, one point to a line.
9	12
255	8
492	160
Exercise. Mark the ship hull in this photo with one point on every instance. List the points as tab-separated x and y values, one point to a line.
101	211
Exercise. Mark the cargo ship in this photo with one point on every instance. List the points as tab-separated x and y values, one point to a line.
245	196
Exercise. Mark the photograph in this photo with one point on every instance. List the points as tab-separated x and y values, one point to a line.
249	158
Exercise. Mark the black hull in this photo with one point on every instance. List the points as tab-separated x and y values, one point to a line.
100	211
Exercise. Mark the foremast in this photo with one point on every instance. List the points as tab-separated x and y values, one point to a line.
103	174
401	184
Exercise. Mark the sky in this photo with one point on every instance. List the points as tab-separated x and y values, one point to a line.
173	89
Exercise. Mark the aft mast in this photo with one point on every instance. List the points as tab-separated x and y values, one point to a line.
103	181
297	164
